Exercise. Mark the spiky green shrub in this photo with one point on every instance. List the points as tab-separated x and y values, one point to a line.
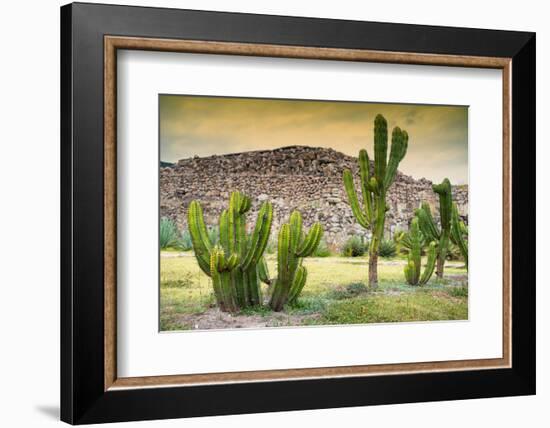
293	245
168	234
354	247
184	242
322	249
453	253
430	230
459	234
413	273
233	263
371	212
388	248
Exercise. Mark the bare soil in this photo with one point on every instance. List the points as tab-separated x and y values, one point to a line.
213	318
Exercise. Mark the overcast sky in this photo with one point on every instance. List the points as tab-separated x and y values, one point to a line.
204	126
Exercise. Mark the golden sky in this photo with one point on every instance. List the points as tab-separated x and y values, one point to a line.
204	126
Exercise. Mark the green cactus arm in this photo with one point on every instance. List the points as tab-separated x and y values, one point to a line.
263	271
358	213
416	247
457	234
445	202
409	272
260	236
199	236
295	230
374	187
240	234
234	204
311	241
245	204
430	264
427	223
364	170
224	231
397	153
380	148
221	280
216	278
412	269
298	284
283	274
283	245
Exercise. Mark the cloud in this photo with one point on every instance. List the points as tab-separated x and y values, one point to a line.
203	126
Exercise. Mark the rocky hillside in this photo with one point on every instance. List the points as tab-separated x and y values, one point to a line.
296	177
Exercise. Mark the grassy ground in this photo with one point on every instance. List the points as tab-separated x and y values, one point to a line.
335	293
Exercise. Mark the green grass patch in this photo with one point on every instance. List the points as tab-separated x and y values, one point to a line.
382	308
335	293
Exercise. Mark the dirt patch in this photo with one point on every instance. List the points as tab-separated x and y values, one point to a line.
215	319
457	279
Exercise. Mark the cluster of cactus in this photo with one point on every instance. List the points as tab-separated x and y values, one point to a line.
452	229
293	246
371	213
440	235
236	263
414	241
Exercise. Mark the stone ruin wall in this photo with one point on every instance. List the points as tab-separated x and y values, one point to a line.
305	178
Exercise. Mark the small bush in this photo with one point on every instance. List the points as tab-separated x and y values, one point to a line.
307	305
184	242
458	292
453	253
322	250
354	247
348	292
387	248
168	236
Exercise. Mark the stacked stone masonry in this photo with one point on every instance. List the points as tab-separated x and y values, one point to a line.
298	177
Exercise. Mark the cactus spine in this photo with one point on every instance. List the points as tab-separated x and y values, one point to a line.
412	270
371	214
458	231
293	246
429	228
233	264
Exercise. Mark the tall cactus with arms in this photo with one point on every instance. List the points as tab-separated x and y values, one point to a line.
293	246
371	214
413	271
233	264
440	236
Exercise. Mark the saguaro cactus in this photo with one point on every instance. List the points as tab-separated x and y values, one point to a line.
412	270
293	246
233	264
429	228
371	214
458	231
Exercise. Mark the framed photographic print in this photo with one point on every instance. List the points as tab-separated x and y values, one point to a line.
266	213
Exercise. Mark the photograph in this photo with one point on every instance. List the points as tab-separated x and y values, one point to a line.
295	213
